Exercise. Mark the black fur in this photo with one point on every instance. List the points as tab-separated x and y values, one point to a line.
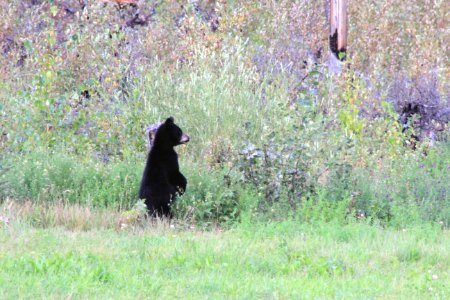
162	179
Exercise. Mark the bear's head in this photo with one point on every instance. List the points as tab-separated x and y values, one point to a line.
169	134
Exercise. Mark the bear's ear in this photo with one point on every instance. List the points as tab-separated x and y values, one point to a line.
170	120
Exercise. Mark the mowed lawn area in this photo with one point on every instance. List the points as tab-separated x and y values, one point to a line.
284	260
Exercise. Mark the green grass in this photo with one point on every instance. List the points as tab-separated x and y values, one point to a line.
277	261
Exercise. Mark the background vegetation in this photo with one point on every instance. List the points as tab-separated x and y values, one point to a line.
273	135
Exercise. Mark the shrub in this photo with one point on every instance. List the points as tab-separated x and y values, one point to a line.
215	197
49	177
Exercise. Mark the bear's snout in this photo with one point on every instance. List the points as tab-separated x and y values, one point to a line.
184	139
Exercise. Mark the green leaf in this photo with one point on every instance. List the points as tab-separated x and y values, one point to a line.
28	45
54	10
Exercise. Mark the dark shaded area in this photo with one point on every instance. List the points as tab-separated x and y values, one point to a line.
334	42
334	46
420	106
208	15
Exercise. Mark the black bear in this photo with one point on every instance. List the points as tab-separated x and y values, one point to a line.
162	179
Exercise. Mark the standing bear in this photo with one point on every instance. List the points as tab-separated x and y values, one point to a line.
162	179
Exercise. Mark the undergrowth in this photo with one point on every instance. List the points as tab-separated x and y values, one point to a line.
273	135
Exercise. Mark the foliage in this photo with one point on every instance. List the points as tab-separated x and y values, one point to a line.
47	177
273	135
210	199
408	188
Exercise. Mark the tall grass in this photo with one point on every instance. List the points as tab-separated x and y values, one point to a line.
212	101
402	192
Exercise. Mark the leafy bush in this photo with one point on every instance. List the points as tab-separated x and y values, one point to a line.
51	178
215	197
56	177
272	134
407	189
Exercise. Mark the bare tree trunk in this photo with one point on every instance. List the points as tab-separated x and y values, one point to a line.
338	34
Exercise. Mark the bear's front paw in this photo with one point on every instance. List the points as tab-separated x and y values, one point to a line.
181	190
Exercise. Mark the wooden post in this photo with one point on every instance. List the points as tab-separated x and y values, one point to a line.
338	28
338	34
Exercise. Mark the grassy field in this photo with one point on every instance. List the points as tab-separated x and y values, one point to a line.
285	260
